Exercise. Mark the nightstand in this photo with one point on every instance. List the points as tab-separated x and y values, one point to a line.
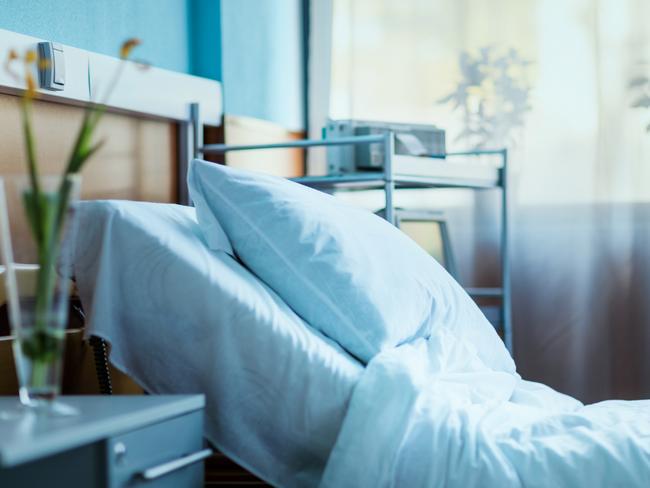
115	441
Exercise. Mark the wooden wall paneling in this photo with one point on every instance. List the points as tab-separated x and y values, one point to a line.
79	376
215	135
137	162
279	162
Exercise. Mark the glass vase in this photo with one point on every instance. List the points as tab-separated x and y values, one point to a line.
38	294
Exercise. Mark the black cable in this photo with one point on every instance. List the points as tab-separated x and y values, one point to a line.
100	353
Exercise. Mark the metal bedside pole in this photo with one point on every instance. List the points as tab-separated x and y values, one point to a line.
197	129
389	181
506	313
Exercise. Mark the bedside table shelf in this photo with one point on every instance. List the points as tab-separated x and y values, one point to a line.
114	441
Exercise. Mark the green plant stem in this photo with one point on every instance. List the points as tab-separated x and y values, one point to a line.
45	235
48	250
45	288
39	372
30	148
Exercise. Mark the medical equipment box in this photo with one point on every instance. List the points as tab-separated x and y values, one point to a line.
410	139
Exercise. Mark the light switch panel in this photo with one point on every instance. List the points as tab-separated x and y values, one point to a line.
51	71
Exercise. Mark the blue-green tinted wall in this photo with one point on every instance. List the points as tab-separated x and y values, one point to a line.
102	25
205	38
252	46
262	60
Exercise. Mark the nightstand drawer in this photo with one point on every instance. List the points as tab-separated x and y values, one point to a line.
166	454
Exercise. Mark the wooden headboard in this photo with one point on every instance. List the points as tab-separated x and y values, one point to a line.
138	161
146	128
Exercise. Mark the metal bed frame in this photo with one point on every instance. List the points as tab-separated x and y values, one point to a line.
388	181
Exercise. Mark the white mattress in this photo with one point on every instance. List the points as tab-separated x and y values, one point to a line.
183	319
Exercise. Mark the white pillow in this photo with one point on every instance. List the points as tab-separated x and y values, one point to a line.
213	232
346	271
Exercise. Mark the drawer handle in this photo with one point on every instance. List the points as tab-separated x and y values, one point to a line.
166	468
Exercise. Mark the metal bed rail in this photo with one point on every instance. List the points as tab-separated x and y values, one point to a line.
386	139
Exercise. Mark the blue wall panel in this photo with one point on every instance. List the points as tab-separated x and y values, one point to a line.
253	46
205	38
263	60
102	25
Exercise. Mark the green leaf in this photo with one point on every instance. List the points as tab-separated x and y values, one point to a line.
31	211
82	142
93	150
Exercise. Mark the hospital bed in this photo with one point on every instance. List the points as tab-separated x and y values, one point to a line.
293	407
296	407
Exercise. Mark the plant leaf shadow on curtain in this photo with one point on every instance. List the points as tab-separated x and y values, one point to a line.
580	164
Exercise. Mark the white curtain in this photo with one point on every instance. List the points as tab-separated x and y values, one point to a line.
555	81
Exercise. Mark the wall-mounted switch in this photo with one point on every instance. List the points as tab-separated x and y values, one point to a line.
51	72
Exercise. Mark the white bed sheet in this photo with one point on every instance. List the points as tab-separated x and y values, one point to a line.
183	319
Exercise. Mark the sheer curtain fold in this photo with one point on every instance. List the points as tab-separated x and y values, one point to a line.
580	161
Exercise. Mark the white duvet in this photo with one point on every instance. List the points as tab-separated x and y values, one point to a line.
431	414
